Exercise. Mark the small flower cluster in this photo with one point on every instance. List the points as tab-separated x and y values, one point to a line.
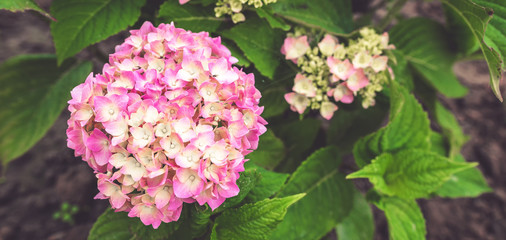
168	121
333	70
234	7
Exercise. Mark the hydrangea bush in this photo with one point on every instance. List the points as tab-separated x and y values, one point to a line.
174	125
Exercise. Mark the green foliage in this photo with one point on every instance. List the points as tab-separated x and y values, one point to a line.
492	44
268	184
405	220
451	129
118	226
260	43
424	45
347	126
359	224
34	93
409	127
401	70
298	137
468	183
81	23
334	16
200	220
274	21
410	173
270	151
190	17
273	102
253	221
328	200
22	5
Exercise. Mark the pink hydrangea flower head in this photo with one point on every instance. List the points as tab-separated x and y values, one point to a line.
169	120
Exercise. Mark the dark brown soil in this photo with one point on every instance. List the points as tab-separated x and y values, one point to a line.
36	184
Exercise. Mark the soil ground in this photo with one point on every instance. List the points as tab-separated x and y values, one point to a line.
36	184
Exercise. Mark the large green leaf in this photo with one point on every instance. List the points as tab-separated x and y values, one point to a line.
359	224
489	15
274	21
334	16
328	201
190	17
409	127
34	93
270	152
347	126
468	183
252	221
268	185
410	173
80	23
298	136
273	102
451	129
260	43
405	220
118	226
21	5
425	46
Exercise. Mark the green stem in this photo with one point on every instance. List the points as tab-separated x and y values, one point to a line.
391	14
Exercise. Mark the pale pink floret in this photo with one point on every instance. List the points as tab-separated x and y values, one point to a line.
357	80
298	102
341	69
379	63
327	110
362	60
304	85
168	121
187	183
328	45
295	47
342	93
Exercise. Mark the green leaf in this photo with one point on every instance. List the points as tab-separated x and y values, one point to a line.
22	5
334	16
438	144
118	226
190	17
451	129
359	224
34	93
237	53
273	102
252	221
260	43
200	219
274	21
468	183
489	15
81	23
409	127
402	71
268	184
328	201
346	127
410	173
425	46
298	136
246	182
405	220
270	151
